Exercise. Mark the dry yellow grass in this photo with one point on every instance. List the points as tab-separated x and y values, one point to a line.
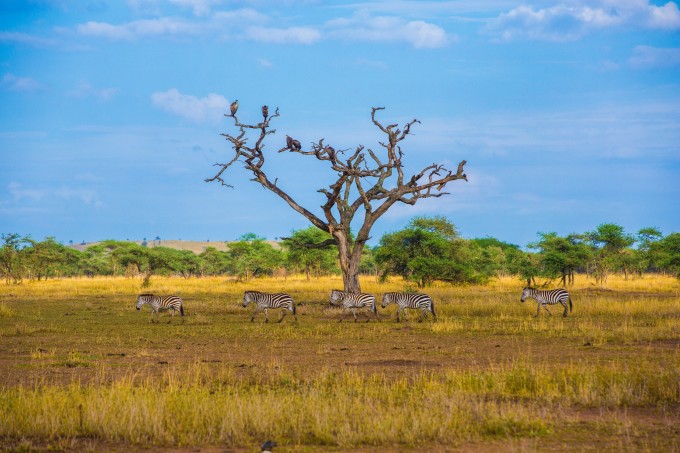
80	368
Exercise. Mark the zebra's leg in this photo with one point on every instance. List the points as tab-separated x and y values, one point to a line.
342	314
404	314
294	315
367	313
546	309
538	310
564	315
354	313
257	309
423	314
283	314
266	318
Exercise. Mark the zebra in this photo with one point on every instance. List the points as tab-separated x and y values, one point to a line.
352	301
269	300
407	300
159	303
548	297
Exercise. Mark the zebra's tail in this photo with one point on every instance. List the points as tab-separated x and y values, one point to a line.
294	309
432	309
571	306
181	310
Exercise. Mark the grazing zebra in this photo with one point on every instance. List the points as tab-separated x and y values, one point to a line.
158	303
352	301
407	300
551	297
269	300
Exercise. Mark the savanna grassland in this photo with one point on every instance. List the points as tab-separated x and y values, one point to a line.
82	370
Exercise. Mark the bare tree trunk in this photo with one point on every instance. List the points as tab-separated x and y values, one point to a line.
349	262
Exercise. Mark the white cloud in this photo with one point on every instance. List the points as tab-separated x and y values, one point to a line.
13	83
571	20
364	27
25	38
653	57
199	7
87	196
86	90
209	108
18	192
138	28
292	35
265	63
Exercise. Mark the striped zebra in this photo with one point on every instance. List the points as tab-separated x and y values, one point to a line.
265	301
352	301
160	303
423	302
551	297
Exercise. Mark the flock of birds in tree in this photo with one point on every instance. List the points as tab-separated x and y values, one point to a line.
291	143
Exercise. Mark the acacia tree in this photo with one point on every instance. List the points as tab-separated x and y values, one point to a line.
365	182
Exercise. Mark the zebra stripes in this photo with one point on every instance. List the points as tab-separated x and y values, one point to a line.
264	301
160	303
353	301
421	302
545	298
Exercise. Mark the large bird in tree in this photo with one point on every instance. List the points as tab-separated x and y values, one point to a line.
234	107
292	144
362	185
265	111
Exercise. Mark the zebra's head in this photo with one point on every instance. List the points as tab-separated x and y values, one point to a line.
526	293
142	299
387	299
336	297
248	297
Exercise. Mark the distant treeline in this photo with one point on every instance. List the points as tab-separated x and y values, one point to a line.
429	249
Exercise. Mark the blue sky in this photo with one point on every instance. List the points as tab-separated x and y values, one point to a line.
567	111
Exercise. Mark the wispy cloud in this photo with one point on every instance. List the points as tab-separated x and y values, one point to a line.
569	21
199	7
365	27
164	26
646	57
208	108
11	82
250	24
86	90
21	195
25	38
292	35
265	63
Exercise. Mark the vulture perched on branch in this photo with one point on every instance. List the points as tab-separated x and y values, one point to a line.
293	144
234	107
265	111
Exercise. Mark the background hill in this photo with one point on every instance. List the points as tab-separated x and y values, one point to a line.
195	246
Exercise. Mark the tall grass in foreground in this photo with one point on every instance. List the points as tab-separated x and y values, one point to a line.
202	405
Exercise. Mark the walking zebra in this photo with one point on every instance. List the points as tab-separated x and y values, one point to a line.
551	297
265	301
352	301
407	300
159	303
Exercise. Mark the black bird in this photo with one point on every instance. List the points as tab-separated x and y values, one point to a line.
265	111
293	144
234	107
268	446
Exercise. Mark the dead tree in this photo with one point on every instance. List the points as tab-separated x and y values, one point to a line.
366	182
